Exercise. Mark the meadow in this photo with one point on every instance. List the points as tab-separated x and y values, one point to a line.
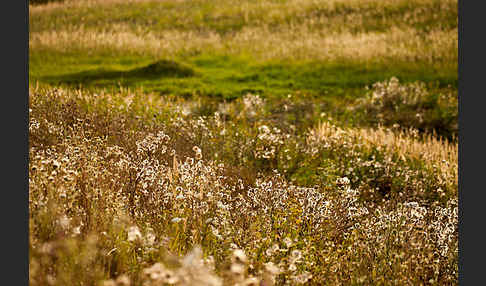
255	142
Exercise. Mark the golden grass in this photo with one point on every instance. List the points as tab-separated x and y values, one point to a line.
438	153
262	5
306	30
303	43
72	4
293	43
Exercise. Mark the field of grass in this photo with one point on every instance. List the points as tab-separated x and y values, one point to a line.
256	142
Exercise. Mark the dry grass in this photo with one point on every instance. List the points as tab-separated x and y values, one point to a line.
127	188
277	7
293	43
77	4
316	30
438	153
123	192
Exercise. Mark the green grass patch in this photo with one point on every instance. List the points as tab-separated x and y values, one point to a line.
224	76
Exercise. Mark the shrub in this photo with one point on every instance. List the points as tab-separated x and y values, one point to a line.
391	103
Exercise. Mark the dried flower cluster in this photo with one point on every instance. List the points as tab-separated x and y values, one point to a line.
398	104
120	197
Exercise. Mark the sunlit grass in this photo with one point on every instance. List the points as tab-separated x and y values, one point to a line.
243	142
118	183
410	40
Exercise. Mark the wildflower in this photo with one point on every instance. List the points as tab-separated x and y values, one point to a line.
239	256
296	255
216	233
270	271
344	181
198	152
194	272
56	164
77	230
64	222
292	267
237	269
150	238
159	273
288	242
271	250
264	129
47	248
271	268
302	278
134	233
123	280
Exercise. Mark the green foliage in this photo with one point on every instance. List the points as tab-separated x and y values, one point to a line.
223	76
